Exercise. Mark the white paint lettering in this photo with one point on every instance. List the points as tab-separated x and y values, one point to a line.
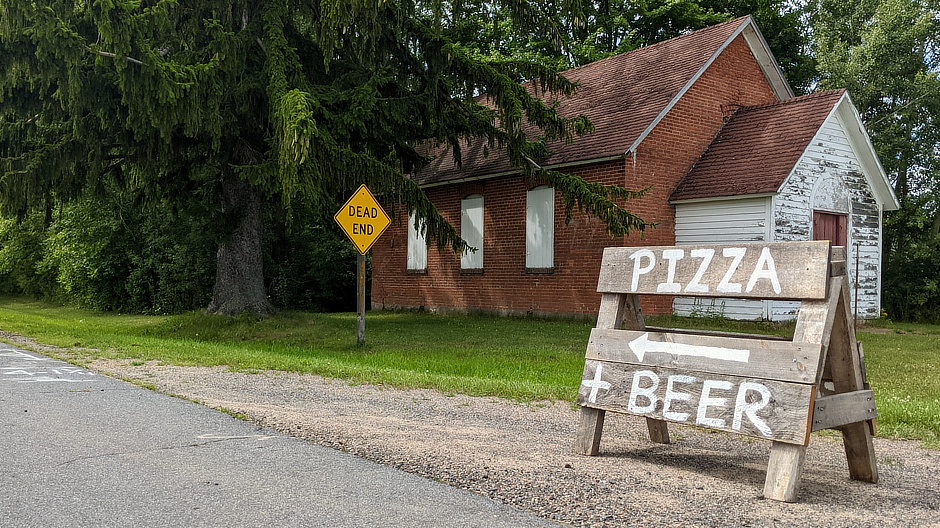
695	285
638	268
670	286
645	392
673	395
743	407
707	401
596	384
726	286
765	269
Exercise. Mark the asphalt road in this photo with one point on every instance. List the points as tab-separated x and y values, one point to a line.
81	449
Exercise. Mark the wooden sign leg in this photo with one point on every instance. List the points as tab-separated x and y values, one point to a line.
860	452
591	423
847	376
783	472
659	431
814	325
632	316
589	431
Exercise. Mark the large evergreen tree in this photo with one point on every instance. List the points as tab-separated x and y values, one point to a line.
217	105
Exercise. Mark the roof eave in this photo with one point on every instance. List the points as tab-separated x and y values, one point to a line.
868	156
518	171
722	198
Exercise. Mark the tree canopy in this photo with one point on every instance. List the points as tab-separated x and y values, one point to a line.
592	30
215	105
887	53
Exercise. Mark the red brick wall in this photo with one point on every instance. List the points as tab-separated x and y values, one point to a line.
660	161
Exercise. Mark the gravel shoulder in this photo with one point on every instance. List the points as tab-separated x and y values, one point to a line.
523	454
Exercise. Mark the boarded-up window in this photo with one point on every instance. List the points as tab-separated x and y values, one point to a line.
831	227
471	230
417	243
540	228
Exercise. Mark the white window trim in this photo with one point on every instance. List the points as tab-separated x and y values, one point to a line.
417	243
540	228
471	230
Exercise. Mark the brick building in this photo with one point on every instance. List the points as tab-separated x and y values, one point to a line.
708	122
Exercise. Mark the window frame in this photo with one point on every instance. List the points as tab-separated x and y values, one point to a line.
416	263
471	230
540	256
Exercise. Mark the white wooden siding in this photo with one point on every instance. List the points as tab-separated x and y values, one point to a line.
827	177
722	221
830	157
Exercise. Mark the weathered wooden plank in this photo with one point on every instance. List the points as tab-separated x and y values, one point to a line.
761	408
784	471
776	360
632	313
782	270
860	452
610	313
590	427
715	333
847	377
843	360
658	429
841	409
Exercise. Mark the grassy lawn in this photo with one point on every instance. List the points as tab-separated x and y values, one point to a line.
524	359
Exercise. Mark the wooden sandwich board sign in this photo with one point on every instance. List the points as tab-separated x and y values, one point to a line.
765	387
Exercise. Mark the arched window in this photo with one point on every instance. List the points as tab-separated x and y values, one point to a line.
540	228
471	230
417	243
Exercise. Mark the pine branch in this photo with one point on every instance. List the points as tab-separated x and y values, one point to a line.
114	56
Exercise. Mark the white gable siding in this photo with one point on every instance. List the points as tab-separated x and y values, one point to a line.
721	222
829	178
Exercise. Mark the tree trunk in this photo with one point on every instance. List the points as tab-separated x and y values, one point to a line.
239	278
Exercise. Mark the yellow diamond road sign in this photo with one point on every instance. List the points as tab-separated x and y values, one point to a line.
362	219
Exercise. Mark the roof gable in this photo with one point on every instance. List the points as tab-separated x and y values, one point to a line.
624	96
758	148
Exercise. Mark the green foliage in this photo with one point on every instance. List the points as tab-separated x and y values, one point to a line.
21	252
171	101
912	273
309	264
88	253
110	255
594	30
887	53
120	256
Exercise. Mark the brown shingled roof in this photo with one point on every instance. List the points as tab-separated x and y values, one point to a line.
621	95
757	148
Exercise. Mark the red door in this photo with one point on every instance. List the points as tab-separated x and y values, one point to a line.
831	227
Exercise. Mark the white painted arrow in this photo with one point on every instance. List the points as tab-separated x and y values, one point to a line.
641	345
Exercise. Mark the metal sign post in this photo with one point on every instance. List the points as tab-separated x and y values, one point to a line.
360	298
363	220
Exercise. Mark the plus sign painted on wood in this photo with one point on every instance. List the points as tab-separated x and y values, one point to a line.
362	219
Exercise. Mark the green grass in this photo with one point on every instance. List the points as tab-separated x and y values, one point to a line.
513	358
523	359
